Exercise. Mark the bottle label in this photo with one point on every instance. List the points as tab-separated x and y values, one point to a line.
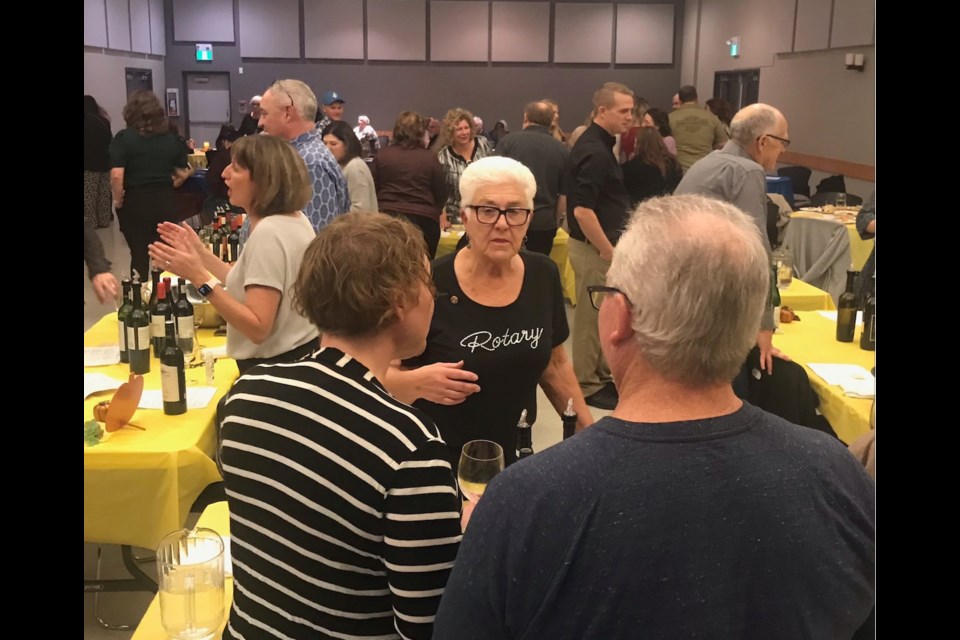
122	335
157	329
185	327
170	383
138	338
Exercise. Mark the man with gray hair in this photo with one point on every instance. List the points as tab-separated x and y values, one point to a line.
735	174
688	512
288	110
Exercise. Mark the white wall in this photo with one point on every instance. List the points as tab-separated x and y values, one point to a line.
104	78
831	110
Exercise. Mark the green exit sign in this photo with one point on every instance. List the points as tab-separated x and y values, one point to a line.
204	52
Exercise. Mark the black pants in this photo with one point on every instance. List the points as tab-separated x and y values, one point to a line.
428	226
144	207
541	241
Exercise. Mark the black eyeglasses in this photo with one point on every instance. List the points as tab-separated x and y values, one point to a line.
515	216
784	141
599	292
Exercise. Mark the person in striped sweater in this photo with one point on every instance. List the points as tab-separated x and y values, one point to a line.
343	507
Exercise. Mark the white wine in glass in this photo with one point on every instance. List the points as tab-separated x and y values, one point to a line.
480	460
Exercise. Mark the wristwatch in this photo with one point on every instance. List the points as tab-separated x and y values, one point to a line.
207	287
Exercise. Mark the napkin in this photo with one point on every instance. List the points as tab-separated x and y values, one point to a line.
855	381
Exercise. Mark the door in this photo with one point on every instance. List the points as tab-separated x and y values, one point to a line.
739	88
207	106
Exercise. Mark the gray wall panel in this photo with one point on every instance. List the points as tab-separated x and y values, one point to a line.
94	23
521	32
206	21
140	26
813	25
118	25
583	32
853	23
396	30
158	28
460	31
645	33
343	43
270	28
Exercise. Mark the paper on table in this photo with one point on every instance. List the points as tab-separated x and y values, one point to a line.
855	381
216	352
97	356
832	315
197	398
94	382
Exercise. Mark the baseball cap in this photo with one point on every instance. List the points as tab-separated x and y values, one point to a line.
332	96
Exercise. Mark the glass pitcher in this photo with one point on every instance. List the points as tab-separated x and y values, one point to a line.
783	261
190	579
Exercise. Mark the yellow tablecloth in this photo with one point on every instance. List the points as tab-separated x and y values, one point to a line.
217	517
814	339
801	296
448	244
139	485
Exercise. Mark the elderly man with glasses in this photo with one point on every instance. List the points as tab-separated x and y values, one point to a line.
736	174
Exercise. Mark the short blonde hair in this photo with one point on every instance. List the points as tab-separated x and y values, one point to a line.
604	96
279	175
698	278
358	270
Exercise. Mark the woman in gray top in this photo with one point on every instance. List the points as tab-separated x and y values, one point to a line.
268	178
345	147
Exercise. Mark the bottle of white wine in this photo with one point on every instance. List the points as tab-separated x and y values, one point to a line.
524	437
138	334
183	311
847	310
125	307
173	383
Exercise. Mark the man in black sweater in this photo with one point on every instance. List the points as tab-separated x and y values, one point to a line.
688	513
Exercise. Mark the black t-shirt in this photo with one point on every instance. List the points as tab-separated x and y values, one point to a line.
507	347
147	159
96	143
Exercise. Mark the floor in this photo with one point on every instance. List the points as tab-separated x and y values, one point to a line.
128	608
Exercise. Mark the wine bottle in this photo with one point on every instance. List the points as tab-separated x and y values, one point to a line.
524	437
868	336
173	383
158	315
775	299
215	238
138	333
122	313
183	310
234	241
847	310
569	420
155	280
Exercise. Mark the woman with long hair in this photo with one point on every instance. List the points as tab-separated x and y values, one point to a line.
147	163
96	164
409	179
658	119
345	147
464	147
653	170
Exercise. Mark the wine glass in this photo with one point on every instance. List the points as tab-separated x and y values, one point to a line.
479	462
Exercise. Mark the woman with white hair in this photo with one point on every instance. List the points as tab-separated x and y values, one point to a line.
499	323
367	135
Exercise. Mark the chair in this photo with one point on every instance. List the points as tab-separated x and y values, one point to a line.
832	183
773	216
830	197
384	141
799	176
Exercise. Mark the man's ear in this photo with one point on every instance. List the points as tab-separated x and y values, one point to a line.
621	329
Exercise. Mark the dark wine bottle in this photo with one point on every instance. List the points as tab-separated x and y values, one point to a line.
138	334
233	240
183	311
847	310
155	280
158	315
569	420
171	291
868	337
173	383
122	314
524	437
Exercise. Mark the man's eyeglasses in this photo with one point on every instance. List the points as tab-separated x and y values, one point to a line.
515	216
784	141
599	292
